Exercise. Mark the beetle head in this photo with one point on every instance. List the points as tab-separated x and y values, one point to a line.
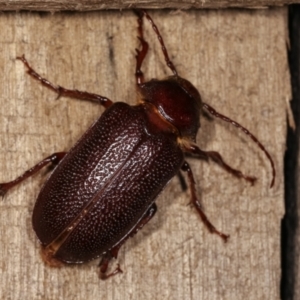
177	101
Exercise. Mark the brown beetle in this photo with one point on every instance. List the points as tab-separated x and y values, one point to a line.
104	189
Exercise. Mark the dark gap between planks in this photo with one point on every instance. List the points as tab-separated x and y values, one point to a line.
290	221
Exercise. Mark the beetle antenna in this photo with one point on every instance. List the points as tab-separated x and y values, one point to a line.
161	41
246	131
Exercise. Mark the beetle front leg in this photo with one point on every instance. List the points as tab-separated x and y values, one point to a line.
54	159
113	252
142	13
61	91
140	54
217	158
185	167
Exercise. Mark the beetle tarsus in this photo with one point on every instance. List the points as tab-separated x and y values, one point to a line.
104	265
105	276
3	190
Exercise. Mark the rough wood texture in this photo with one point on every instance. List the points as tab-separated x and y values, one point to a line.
238	62
89	5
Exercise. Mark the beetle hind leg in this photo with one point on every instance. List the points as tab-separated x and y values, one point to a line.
104	265
54	159
113	252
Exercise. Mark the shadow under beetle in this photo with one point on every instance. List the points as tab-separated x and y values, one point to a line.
104	189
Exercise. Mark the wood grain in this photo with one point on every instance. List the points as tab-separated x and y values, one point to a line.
238	61
88	5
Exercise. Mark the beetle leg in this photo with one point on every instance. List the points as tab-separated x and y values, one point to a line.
61	91
182	181
160	39
140	54
55	158
113	252
104	265
217	158
185	167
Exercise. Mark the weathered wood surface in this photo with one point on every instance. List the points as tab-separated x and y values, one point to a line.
88	5
238	61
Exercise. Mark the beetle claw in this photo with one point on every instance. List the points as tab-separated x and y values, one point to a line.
3	191
251	179
225	237
105	276
59	92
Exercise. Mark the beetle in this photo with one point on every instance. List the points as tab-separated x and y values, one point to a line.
103	191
